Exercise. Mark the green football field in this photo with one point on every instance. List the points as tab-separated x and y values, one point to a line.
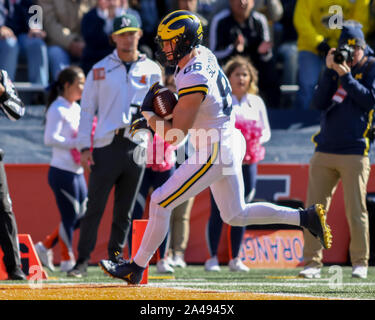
336	283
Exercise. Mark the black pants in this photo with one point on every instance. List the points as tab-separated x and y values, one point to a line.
8	226
114	166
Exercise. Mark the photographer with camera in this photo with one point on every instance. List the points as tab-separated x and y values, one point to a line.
346	97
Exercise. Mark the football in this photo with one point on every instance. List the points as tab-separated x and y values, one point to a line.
164	102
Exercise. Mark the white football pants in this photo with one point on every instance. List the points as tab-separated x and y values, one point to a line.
219	167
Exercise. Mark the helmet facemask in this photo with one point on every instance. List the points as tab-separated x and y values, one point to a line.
180	47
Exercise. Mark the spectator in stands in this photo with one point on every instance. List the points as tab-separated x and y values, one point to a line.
22	41
62	22
96	28
192	6
286	47
272	9
125	8
286	51
345	96
208	8
241	30
252	119
151	11
114	90
12	106
317	32
65	175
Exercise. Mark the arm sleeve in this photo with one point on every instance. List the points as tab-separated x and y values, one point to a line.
89	105
10	102
193	83
52	132
323	93
364	96
274	10
156	76
266	133
227	49
264	28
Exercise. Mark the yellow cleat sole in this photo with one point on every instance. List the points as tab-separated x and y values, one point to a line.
327	234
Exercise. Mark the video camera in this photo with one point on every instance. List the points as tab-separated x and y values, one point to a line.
343	53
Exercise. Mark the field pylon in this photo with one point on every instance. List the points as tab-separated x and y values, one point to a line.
139	227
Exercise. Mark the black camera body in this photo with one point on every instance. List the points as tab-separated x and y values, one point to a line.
344	53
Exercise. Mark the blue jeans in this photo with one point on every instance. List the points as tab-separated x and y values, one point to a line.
31	50
9	56
287	53
59	59
309	68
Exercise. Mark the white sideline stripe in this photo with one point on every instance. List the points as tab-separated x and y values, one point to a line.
192	283
262	284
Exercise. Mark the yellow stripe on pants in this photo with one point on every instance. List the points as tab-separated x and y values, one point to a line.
186	185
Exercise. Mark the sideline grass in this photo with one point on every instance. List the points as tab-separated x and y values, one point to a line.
336	282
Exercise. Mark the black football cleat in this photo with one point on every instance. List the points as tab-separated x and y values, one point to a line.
17	274
128	271
314	220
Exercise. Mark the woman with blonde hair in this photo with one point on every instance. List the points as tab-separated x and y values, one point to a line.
252	120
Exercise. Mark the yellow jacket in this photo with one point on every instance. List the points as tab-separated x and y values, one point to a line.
311	20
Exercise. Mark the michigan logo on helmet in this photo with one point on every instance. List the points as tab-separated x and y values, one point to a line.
184	32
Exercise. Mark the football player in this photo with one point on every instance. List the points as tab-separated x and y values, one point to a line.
204	112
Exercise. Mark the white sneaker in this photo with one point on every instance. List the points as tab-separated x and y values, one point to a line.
45	255
67	265
163	267
212	264
310	273
359	272
237	265
170	261
179	261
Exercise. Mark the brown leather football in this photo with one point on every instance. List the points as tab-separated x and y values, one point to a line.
164	102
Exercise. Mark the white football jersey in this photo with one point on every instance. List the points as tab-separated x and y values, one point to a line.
203	74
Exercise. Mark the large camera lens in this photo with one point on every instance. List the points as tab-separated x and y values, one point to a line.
344	53
340	56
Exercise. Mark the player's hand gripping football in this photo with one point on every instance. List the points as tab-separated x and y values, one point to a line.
139	124
147	108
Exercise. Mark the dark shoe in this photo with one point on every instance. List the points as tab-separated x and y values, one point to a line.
79	270
17	274
127	271
314	220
